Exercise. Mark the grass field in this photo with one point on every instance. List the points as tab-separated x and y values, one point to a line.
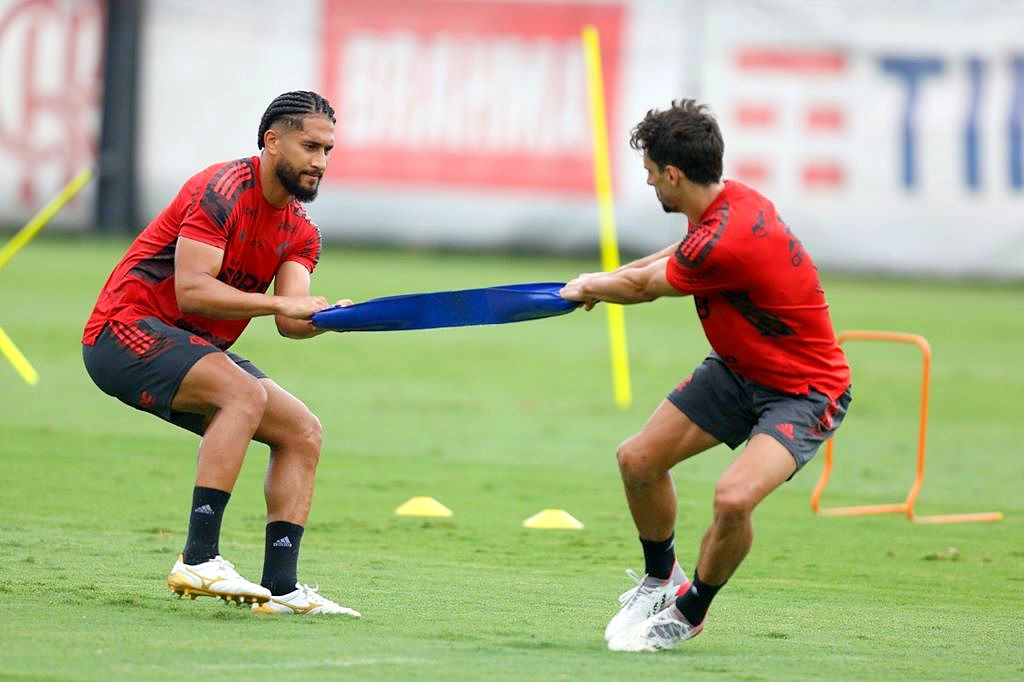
499	423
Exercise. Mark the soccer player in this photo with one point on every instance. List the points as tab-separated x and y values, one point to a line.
159	336
776	378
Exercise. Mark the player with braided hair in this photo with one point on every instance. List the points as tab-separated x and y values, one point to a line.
159	336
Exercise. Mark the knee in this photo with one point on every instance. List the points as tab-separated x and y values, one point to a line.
308	437
732	505
249	399
637	463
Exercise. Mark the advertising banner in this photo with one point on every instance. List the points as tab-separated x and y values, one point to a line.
483	94
50	92
889	136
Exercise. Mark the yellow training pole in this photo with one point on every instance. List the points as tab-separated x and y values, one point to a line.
14	356
18	241
39	221
606	211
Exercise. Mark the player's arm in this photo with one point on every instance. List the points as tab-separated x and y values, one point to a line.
647	260
199	292
293	280
634	285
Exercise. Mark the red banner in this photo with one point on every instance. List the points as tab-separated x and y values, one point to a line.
465	94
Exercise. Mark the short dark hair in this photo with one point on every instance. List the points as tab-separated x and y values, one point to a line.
685	136
291	107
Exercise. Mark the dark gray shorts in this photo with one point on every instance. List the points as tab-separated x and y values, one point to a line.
733	409
143	364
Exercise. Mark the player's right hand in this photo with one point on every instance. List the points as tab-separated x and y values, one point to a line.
574	291
302	307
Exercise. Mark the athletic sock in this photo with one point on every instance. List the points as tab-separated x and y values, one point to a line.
695	603
203	541
281	557
659	557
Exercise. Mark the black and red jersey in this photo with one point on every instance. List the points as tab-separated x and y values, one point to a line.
758	296
222	206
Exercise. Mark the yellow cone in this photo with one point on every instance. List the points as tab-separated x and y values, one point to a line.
553	518
423	506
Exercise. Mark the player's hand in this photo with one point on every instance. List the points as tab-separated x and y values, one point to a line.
575	290
302	307
344	302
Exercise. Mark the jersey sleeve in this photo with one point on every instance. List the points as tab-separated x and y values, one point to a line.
202	227
701	264
211	213
306	251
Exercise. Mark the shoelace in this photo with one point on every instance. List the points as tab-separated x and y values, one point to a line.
628	595
311	594
227	568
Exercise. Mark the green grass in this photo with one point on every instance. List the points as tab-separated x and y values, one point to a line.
499	423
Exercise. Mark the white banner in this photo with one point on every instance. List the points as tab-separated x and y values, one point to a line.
50	89
889	135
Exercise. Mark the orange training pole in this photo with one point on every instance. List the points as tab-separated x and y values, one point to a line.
907	506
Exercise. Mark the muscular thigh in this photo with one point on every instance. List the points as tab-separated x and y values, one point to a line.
285	417
671	436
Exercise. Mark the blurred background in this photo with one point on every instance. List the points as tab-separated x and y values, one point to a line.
890	135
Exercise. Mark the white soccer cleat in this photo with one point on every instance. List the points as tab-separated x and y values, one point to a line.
214	578
664	630
303	601
650	596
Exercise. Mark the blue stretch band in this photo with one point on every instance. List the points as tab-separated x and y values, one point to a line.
490	305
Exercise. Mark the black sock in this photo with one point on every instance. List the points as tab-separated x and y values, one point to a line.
659	557
695	603
203	541
281	557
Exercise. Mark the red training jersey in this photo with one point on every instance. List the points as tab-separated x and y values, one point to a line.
222	206
758	296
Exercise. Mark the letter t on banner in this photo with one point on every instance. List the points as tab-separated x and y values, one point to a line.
606	211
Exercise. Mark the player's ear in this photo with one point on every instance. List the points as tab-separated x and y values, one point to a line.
674	175
271	138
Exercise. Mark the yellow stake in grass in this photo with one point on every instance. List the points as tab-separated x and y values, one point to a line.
23	237
14	356
606	211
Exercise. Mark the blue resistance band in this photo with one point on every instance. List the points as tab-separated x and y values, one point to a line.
490	305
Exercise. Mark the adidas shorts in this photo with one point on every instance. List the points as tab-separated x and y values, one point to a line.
142	364
734	409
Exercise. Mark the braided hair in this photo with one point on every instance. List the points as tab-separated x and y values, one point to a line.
290	108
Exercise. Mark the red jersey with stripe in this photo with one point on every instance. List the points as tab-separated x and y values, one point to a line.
222	206
758	296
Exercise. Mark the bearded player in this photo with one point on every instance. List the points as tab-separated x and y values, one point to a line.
159	336
776	382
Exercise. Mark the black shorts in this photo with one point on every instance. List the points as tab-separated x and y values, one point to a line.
143	364
733	409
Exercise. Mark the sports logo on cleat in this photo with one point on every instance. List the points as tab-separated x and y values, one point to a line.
283	542
204	509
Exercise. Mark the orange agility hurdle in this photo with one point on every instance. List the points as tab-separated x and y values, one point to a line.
907	505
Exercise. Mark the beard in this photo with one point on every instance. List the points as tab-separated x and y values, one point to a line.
664	206
291	179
